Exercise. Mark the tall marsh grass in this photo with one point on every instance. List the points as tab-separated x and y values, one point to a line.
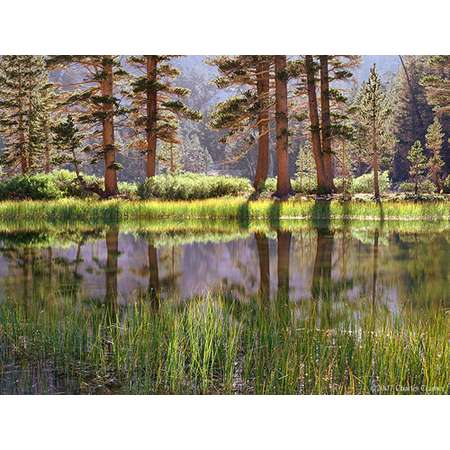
114	211
215	345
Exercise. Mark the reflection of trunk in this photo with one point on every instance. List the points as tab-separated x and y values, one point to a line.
321	283
153	279
262	245
283	250
262	164
112	248
375	266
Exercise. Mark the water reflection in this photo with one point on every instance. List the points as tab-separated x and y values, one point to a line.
114	267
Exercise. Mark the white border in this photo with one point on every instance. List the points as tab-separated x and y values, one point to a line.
211	422
225	27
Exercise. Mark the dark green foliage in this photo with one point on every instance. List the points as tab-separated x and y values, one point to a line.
30	187
56	185
190	186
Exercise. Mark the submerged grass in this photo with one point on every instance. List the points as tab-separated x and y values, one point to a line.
215	345
114	211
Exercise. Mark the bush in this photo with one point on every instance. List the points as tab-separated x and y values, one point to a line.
426	187
30	187
307	185
364	183
190	186
446	185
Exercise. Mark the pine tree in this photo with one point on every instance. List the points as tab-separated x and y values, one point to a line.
331	68
411	111
25	111
94	103
417	164
305	165
247	113
170	157
196	158
281	122
67	139
372	116
437	83
156	105
434	139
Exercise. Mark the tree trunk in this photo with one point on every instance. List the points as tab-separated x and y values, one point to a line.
375	165
326	121
281	120
322	182
262	86
47	150
152	106
109	150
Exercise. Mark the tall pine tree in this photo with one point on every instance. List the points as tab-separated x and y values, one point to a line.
372	116
246	114
94	103
156	105
25	110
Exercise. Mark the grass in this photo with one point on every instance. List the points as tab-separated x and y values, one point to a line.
114	211
216	345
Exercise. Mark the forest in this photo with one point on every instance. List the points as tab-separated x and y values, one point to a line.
177	127
247	224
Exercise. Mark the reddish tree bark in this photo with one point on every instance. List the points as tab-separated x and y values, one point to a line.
152	106
326	121
323	185
281	120
262	87
109	149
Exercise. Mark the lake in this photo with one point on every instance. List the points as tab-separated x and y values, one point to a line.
351	276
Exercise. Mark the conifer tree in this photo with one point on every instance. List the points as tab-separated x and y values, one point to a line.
25	111
94	103
156	105
196	158
417	164
434	139
411	111
170	157
67	139
247	113
305	165
437	83
372	117
332	68
281	123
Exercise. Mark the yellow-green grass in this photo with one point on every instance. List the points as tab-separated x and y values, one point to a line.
214	345
115	211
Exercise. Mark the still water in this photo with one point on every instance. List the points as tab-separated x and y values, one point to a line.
389	267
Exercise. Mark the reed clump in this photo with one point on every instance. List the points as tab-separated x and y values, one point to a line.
219	346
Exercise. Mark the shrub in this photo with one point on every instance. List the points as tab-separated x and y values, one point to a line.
307	185
446	185
364	183
190	186
425	187
31	187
